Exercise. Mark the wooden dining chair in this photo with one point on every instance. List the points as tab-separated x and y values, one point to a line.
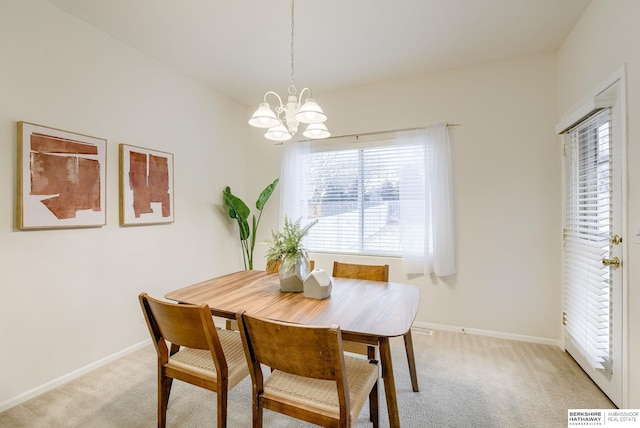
311	379
274	266
374	273
209	358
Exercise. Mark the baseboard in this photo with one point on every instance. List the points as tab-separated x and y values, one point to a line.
69	376
423	327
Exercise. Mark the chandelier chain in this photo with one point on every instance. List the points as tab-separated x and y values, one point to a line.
292	87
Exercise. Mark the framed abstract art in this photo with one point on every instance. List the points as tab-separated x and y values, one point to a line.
61	178
146	186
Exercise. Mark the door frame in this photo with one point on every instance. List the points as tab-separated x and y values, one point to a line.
612	92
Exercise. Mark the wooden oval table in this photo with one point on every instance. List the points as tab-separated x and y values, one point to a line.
367	311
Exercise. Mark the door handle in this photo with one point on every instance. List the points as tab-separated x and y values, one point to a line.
615	262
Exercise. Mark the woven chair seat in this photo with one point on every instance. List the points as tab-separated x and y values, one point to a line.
322	395
200	361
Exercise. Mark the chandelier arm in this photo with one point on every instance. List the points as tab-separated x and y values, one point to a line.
279	108
280	103
300	96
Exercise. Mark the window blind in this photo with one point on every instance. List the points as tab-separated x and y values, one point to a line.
355	198
588	228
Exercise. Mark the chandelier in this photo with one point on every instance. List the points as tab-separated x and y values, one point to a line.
283	123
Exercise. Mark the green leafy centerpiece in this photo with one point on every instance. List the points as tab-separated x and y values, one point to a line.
286	246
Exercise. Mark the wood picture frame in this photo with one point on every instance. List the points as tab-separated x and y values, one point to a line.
146	186
61	178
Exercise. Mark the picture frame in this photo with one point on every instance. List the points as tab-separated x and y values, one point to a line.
61	178
146	186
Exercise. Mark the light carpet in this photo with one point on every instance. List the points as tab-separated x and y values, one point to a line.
465	381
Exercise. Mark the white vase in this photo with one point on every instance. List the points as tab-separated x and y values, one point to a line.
292	280
317	285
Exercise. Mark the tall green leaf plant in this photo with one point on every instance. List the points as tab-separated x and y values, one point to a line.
240	212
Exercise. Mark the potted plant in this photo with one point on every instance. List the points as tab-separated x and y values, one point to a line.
286	246
239	211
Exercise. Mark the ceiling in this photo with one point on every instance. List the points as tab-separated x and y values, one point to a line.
241	48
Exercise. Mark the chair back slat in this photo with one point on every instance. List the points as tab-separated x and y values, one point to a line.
180	324
308	351
274	266
358	271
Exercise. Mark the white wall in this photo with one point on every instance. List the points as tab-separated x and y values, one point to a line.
68	298
506	180
605	39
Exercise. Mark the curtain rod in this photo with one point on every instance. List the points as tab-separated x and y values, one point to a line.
364	134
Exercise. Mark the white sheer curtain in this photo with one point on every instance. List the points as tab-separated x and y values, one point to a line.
426	202
294	181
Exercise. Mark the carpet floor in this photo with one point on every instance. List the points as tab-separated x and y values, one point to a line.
465	381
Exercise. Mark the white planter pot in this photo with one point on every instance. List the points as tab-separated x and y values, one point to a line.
292	280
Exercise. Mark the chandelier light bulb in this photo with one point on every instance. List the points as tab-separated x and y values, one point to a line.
316	131
264	117
310	112
278	133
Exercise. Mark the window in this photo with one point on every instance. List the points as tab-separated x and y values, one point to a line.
376	195
355	198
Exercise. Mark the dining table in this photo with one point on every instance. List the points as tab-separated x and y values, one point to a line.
369	312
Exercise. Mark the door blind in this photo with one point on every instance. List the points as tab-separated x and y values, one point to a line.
588	228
